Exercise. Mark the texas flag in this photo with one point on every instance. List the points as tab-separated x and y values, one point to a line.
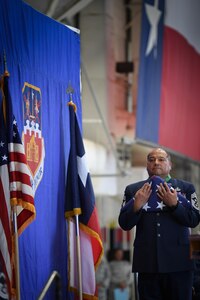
168	105
82	216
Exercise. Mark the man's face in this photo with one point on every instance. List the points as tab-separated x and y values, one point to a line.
119	254
158	163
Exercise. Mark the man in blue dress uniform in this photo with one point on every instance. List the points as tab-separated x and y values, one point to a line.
163	210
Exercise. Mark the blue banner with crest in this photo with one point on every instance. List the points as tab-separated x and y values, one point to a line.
43	59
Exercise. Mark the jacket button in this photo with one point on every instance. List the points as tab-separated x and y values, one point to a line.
158	224
158	234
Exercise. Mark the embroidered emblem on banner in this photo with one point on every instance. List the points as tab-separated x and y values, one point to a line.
32	134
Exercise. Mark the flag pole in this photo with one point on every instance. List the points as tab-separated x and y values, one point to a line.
70	91
14	210
17	275
79	258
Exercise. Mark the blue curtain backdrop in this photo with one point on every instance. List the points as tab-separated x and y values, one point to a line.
43	59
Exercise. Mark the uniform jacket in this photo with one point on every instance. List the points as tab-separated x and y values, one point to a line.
162	238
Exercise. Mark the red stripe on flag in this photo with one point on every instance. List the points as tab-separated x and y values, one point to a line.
96	240
17	157
5	219
5	238
20	177
180	105
21	198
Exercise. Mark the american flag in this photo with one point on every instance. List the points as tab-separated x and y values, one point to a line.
15	185
155	204
80	201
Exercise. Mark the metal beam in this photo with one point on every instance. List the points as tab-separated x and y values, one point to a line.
76	8
51	10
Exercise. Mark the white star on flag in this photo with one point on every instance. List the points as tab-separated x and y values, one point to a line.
153	14
82	168
157	187
160	205
146	206
4	157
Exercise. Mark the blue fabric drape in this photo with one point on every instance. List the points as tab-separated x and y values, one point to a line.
42	55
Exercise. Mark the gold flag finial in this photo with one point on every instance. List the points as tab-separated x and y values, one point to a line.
70	91
6	73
